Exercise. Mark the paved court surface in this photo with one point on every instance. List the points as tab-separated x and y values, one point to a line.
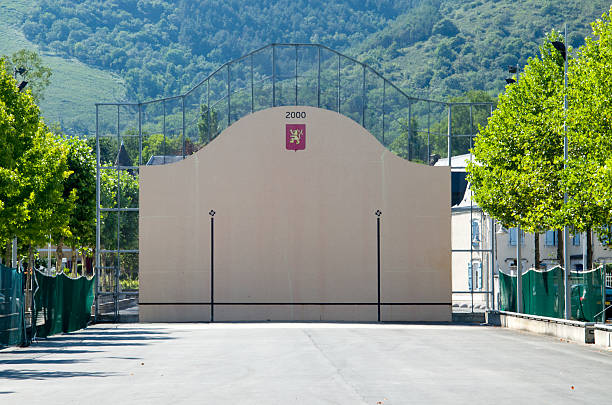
304	364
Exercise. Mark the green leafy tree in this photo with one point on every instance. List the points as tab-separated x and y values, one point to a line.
588	178
206	129
82	182
49	205
517	174
408	144
19	126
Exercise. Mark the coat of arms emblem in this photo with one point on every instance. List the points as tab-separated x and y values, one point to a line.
295	136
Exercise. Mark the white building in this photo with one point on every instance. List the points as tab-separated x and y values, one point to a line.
480	250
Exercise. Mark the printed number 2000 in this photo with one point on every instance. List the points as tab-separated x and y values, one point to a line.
295	114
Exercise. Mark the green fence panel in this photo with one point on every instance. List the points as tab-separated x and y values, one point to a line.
587	294
543	293
12	311
507	292
62	304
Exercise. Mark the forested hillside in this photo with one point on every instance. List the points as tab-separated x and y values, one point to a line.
156	44
440	48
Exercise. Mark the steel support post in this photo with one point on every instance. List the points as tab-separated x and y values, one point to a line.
338	96
139	136
519	272
450	133
229	96
471	228
183	111
383	110
410	131
98	256
273	76
183	117
164	130
363	98
319	77
566	257
208	108
493	262
428	131
252	88
118	167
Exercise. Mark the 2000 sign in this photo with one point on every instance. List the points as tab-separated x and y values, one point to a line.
295	114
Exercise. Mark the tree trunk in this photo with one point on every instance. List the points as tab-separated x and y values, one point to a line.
59	255
560	248
93	261
73	263
83	264
589	242
536	250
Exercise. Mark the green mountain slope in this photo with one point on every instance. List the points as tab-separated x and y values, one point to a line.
435	48
468	44
75	86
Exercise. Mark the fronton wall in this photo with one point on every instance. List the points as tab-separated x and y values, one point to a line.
295	232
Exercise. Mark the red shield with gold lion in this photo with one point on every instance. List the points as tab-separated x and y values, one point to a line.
295	136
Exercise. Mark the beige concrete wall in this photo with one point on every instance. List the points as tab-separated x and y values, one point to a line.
295	227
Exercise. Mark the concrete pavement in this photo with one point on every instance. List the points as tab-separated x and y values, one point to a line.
276	363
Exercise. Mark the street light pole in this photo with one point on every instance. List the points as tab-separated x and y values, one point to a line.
566	258
519	272
562	48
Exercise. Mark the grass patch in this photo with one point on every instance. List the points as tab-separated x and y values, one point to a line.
74	88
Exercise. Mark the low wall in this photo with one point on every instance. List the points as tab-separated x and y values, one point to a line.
582	332
603	336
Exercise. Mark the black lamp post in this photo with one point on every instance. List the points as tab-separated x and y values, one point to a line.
514	69
21	71
561	48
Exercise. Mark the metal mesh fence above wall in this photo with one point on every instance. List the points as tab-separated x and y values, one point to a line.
169	129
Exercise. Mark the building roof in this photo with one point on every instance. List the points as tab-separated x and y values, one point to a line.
162	160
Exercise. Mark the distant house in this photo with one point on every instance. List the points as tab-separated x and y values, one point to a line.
473	233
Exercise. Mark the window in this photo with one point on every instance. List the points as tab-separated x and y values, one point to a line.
512	234
576	240
475	233
551	238
474	276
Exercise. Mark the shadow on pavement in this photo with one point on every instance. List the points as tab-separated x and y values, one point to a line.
69	348
43	375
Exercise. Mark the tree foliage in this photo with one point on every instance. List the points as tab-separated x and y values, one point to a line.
588	177
519	153
521	176
47	182
35	72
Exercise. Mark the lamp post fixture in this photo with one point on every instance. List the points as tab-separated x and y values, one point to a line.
21	71
560	46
